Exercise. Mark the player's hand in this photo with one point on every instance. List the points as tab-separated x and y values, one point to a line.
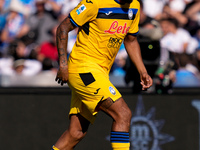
62	75
146	81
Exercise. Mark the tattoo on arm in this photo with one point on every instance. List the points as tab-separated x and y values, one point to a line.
62	39
61	52
62	35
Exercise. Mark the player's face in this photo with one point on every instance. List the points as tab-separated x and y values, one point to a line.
127	1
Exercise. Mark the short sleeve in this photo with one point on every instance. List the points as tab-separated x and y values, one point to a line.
85	11
185	36
134	28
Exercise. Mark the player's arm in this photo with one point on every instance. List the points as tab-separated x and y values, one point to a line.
133	50
61	40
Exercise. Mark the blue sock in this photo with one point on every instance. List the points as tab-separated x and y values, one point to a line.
120	140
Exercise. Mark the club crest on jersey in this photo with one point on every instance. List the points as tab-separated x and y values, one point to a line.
130	14
112	90
80	9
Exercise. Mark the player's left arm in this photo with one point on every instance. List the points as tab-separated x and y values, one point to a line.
133	50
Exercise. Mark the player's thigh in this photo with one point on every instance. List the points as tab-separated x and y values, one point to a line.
116	109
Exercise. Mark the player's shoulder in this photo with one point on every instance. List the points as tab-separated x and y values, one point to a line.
137	1
135	4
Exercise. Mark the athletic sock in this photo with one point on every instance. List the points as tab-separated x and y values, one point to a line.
54	148
120	140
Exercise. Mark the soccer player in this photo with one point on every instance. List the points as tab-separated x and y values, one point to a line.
103	26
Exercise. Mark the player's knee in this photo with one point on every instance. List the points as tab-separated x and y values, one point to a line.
127	115
77	135
124	117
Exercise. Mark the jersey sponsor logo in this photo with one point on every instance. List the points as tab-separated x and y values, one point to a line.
112	90
80	9
116	28
89	1
114	42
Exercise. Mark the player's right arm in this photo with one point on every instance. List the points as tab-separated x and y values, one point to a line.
85	11
61	41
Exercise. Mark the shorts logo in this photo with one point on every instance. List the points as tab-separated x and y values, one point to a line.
97	91
80	9
112	90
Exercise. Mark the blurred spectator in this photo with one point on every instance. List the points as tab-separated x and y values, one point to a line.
67	6
173	13
2	15
177	51
19	50
28	6
38	25
153	7
185	12
176	40
54	7
48	54
192	12
14	23
23	67
197	36
187	74
6	4
178	5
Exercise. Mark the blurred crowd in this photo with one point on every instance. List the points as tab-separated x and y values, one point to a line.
28	35
169	37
